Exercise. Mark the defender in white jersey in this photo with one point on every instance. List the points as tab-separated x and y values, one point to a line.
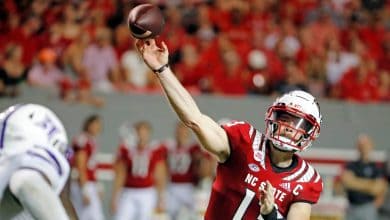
33	166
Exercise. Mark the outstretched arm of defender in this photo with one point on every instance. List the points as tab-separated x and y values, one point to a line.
210	134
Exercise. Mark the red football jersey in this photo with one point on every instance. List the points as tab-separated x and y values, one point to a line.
181	161
84	142
235	190
140	164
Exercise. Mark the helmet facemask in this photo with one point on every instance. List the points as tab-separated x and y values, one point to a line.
290	129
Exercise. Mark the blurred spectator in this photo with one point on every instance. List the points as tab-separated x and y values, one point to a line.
85	192
13	72
259	80
316	76
383	88
183	154
359	84
140	177
189	71
384	62
340	32
26	36
206	30
364	182
38	7
230	79
274	71
101	62
73	56
321	31
139	75
288	44
69	25
174	33
295	80
78	89
373	5
122	42
45	73
338	61
225	68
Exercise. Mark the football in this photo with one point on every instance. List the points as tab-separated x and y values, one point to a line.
145	21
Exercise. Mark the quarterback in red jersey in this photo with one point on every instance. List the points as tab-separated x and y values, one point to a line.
258	175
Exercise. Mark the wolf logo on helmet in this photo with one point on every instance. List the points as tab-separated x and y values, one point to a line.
304	121
25	125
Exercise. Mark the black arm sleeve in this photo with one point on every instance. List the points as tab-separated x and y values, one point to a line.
273	215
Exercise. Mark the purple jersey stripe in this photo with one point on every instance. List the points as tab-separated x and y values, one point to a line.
55	164
4	124
55	160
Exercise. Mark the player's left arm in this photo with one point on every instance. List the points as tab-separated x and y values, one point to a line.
66	202
299	211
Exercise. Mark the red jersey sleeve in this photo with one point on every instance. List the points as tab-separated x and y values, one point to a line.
80	142
238	132
161	152
311	191
123	153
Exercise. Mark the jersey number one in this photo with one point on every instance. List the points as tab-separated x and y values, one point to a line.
249	194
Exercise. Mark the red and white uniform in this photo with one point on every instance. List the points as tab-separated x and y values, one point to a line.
84	142
182	174
138	198
235	189
181	161
140	164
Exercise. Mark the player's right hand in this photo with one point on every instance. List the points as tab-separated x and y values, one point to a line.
155	56
267	200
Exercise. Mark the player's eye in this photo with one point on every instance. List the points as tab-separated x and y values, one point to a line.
284	117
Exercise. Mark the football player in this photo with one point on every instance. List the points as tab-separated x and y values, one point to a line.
85	190
183	155
33	166
140	177
253	167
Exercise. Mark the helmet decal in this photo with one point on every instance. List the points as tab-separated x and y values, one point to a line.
28	125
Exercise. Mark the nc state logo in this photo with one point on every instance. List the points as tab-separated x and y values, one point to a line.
254	167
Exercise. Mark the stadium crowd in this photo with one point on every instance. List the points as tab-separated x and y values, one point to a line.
337	49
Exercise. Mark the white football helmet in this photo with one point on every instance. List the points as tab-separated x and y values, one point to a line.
26	125
303	111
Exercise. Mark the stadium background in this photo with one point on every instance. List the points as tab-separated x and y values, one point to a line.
346	114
